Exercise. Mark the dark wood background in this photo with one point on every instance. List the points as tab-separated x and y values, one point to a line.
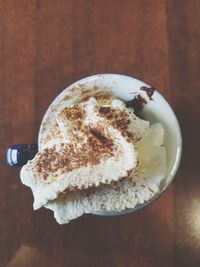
45	46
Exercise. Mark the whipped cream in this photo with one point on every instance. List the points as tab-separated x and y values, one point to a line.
94	155
95	148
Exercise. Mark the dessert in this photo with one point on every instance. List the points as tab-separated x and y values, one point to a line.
95	155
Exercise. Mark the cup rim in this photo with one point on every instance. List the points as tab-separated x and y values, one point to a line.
176	163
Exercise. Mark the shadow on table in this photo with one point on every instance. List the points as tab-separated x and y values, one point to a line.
140	239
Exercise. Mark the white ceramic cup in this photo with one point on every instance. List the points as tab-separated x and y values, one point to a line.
156	110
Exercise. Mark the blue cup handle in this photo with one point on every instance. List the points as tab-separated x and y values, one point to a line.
18	155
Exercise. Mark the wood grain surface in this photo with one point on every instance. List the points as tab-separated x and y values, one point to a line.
45	46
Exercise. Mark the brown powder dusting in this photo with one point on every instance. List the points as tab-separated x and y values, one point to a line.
101	97
53	133
94	142
66	157
104	98
100	136
95	88
73	89
84	89
118	119
86	98
104	110
73	113
45	176
66	97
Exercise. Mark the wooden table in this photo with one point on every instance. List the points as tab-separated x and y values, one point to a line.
45	46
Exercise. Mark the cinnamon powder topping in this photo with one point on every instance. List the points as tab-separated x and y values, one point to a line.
73	113
118	119
66	157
